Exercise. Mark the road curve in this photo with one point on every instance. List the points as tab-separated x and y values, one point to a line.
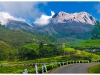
74	68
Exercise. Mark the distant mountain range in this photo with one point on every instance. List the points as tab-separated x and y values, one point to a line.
62	25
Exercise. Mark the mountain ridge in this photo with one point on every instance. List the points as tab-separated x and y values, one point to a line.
62	24
84	17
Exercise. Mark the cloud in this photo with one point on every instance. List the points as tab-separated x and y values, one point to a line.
26	10
44	19
97	7
52	13
4	17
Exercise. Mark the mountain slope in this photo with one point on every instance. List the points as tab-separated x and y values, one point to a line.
63	25
18	38
18	25
5	51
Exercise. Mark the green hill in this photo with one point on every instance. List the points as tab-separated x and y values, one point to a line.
91	43
18	38
5	51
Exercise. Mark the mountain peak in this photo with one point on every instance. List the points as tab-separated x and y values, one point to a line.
63	17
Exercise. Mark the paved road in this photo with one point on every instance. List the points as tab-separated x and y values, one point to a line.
74	68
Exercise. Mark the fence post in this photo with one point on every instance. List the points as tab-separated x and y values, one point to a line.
59	63
45	67
36	68
42	69
67	62
25	71
73	62
63	63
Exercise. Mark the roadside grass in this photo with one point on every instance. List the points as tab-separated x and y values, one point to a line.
16	69
20	69
95	69
73	56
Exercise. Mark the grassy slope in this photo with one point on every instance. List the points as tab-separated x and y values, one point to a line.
5	51
95	69
91	43
75	55
17	38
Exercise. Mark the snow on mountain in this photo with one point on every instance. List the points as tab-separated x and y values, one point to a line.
63	17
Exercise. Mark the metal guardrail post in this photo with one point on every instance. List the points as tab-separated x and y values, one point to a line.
36	68
67	62
42	69
63	63
79	61
45	67
59	63
25	71
73	62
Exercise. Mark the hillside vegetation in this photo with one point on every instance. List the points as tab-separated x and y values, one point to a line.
5	51
18	38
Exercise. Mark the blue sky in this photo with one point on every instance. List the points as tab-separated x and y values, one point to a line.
40	11
72	7
92	8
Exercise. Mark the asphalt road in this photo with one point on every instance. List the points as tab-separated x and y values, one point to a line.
81	68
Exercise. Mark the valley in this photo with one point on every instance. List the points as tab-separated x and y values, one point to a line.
68	37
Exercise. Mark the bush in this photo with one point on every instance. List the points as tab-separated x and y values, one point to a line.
95	69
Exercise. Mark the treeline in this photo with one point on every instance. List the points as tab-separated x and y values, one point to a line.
34	50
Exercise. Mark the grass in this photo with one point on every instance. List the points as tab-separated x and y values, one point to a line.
20	69
95	69
16	69
72	56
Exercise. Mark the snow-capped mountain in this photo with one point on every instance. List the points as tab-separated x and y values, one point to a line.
63	17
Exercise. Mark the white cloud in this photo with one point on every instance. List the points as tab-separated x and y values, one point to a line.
44	19
52	13
4	17
26	10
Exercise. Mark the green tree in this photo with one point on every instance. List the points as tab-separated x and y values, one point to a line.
29	51
96	31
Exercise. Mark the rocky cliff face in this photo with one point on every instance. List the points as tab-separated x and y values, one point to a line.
63	17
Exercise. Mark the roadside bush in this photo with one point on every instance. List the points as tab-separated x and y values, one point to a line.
95	69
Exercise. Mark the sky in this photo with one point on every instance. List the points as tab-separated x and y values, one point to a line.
40	12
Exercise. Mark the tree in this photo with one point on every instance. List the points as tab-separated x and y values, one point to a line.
96	31
29	51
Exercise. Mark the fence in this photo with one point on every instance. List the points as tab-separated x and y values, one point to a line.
48	66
